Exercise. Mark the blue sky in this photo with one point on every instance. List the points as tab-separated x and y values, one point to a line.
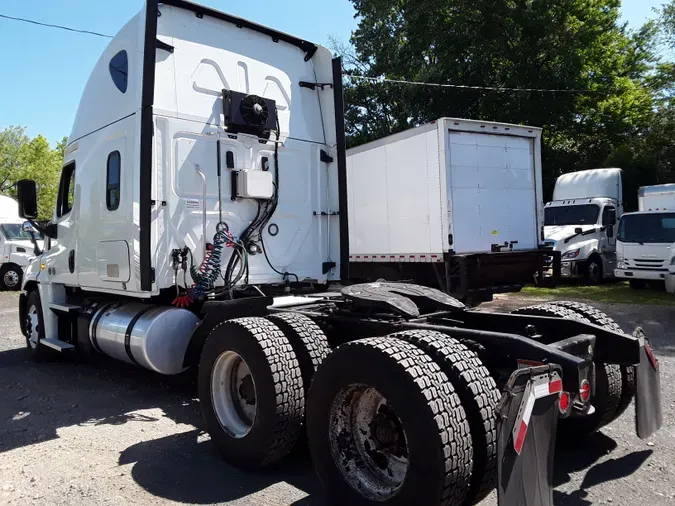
44	70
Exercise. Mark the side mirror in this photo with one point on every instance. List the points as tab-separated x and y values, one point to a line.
578	230
610	231
26	191
611	218
28	228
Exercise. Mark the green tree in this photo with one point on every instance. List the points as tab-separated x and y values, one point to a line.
574	45
12	140
25	158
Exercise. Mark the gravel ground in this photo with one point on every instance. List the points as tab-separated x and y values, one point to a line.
106	433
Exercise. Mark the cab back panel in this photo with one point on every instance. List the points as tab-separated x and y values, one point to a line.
211	55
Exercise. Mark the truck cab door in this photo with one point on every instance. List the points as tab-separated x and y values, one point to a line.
60	260
608	238
609	223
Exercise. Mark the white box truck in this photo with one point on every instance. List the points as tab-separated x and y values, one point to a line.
176	251
455	204
15	244
644	246
581	221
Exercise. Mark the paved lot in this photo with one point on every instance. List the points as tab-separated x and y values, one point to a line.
110	434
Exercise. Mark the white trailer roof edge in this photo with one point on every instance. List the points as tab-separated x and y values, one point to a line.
470	125
659	189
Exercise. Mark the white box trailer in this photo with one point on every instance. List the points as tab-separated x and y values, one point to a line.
659	197
461	192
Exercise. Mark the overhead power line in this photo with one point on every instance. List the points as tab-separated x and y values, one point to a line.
463	86
60	27
349	76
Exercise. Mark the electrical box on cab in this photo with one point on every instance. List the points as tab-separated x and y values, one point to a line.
254	184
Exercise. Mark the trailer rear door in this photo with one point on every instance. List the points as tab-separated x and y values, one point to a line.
492	197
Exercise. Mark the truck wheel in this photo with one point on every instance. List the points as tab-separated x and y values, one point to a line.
607	380
594	270
308	341
479	396
251	392
385	427
10	277
597	317
34	327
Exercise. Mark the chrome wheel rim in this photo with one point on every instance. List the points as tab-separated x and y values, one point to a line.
11	279
33	326
233	394
368	442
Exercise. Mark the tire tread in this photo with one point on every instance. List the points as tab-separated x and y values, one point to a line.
307	339
479	397
290	396
444	406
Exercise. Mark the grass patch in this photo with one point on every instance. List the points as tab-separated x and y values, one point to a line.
620	293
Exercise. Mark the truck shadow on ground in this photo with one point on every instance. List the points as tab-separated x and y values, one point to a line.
574	458
187	468
38	399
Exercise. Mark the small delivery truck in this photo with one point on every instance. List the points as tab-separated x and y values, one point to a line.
15	244
455	204
581	222
644	246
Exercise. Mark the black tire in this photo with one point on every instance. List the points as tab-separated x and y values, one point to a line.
597	317
594	270
607	380
479	396
638	284
551	310
278	391
11	276
308	341
436	432
627	389
35	329
592	314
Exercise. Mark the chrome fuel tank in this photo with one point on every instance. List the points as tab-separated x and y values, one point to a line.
154	337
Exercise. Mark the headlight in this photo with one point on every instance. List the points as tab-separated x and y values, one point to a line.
568	255
620	265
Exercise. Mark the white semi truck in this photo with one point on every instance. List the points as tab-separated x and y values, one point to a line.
581	222
203	202
644	246
15	244
455	204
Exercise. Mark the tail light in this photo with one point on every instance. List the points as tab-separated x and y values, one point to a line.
565	403
585	391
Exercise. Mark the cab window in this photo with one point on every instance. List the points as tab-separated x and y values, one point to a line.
66	197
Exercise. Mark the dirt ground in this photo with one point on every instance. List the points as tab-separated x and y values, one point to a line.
106	433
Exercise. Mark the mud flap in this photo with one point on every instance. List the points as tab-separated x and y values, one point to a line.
528	419
648	413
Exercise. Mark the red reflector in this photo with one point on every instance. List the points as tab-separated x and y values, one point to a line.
585	391
520	440
650	355
555	386
564	402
